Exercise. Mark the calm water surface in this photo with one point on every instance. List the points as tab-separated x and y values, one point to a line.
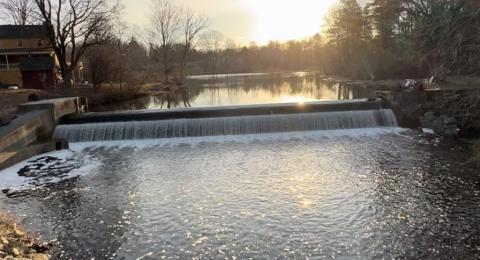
242	89
293	195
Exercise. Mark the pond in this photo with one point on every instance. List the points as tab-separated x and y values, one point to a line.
362	193
243	89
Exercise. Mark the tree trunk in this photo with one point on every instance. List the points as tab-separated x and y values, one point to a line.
67	78
67	75
166	67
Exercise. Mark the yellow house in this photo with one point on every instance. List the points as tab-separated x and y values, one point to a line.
27	59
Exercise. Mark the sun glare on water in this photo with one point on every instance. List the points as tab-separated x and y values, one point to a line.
287	19
295	99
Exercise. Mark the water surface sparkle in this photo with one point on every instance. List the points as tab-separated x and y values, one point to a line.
292	195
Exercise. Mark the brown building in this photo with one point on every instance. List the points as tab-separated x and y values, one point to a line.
27	59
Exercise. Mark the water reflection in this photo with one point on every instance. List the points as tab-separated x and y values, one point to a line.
242	89
369	198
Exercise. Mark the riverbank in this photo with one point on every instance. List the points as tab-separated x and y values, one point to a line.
449	109
10	99
15	243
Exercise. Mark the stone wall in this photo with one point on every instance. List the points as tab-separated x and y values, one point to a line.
31	132
435	109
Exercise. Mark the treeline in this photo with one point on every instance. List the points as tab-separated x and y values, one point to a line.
133	62
404	38
377	40
381	39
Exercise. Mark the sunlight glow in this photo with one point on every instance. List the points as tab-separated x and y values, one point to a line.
295	99
286	19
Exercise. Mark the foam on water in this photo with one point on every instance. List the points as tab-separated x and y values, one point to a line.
80	165
85	164
248	138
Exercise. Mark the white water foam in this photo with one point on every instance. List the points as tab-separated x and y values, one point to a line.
267	137
11	180
220	126
86	165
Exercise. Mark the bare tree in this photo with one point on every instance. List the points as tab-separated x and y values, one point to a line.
228	57
214	44
20	12
165	22
174	34
192	27
74	26
100	62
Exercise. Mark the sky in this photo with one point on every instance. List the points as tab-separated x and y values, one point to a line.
245	21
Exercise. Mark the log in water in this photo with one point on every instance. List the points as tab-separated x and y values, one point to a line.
237	125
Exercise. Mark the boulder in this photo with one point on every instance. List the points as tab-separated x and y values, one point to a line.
441	125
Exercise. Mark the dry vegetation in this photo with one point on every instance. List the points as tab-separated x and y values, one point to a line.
15	243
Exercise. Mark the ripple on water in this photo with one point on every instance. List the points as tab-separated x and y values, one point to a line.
380	196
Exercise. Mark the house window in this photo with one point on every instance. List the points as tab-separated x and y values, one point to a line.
39	43
20	43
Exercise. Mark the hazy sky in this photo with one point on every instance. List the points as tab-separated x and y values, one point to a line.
247	20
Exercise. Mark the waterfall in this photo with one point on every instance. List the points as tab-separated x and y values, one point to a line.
237	125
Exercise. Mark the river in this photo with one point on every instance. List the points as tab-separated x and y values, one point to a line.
361	193
245	89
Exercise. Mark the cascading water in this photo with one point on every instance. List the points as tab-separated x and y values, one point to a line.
226	125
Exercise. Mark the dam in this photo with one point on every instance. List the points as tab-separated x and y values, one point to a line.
196	122
302	180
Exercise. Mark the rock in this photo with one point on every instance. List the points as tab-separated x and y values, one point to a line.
428	120
38	256
476	151
19	233
450	125
441	125
428	131
411	84
5	118
4	241
15	252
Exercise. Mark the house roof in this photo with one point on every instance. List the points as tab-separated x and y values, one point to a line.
23	32
37	64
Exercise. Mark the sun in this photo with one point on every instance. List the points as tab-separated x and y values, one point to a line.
287	19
